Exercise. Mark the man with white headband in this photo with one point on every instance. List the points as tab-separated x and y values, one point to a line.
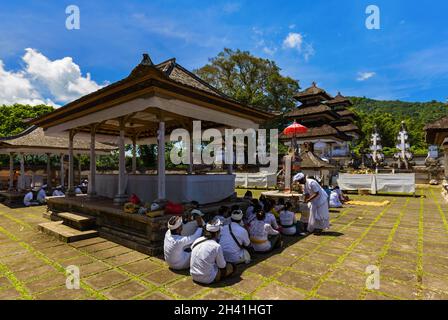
207	263
317	200
177	247
235	240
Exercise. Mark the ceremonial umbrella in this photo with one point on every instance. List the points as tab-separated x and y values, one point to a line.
294	129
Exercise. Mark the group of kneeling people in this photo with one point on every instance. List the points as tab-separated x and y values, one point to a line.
212	250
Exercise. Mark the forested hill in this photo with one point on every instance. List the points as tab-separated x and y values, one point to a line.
387	115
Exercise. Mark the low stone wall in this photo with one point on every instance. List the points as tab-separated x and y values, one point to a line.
141	233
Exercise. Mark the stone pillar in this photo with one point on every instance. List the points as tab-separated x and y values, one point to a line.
134	155
92	186
121	197
21	183
11	172
79	169
161	178
71	186
48	172
62	173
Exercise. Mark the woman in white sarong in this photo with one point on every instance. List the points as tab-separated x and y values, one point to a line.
317	200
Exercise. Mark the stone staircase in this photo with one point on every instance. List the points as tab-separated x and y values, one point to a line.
71	227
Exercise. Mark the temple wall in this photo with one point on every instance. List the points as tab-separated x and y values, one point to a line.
205	189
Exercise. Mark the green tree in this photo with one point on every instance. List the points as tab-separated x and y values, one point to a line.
250	80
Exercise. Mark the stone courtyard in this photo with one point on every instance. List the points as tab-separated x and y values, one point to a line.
407	240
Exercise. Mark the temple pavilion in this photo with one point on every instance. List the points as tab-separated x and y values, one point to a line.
33	141
144	108
331	126
437	134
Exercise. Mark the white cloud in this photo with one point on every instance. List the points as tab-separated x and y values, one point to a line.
16	88
362	76
295	40
269	51
44	81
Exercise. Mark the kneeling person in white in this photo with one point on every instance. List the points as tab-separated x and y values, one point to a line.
262	235
42	194
235	240
177	247
207	263
288	221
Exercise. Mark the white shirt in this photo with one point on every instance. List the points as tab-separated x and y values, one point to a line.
311	187
232	252
250	215
270	219
28	199
174	249
206	258
259	231
58	193
334	200
288	218
41	195
189	228
224	221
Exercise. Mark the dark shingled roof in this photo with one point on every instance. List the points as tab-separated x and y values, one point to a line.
309	110
339	99
440	124
322	131
314	90
348	128
34	137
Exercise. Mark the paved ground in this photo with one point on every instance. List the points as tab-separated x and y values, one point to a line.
407	240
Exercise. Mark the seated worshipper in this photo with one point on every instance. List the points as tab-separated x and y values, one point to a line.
223	215
270	218
207	263
28	198
248	195
288	221
78	190
235	240
176	247
342	197
262	201
262	236
280	204
58	192
335	202
191	222
250	214
317	200
41	194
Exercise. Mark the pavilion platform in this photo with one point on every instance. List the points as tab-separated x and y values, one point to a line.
138	232
12	197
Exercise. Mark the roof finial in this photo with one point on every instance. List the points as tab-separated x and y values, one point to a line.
314	84
146	61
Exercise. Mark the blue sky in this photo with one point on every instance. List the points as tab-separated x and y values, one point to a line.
322	41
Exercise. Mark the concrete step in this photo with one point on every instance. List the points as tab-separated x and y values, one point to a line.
65	233
78	221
